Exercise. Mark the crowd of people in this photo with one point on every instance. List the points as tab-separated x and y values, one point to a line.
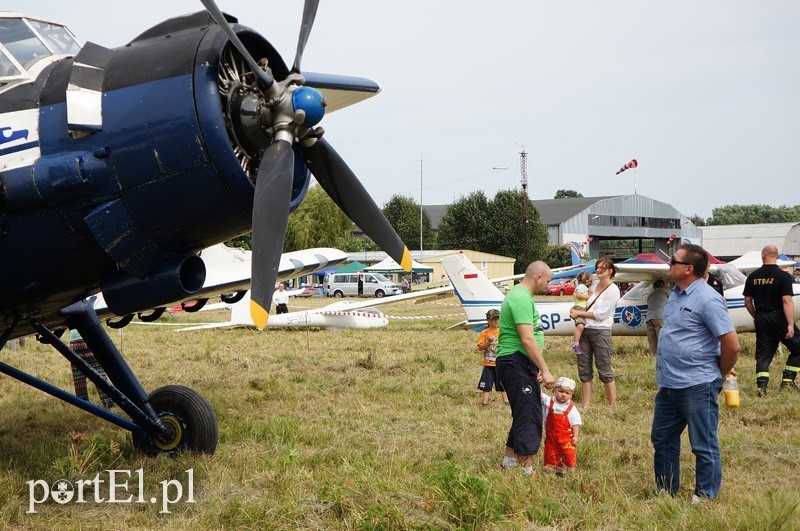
691	335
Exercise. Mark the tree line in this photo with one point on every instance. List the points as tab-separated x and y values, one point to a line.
491	225
475	222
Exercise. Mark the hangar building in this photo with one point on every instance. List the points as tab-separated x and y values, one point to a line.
620	225
731	241
623	224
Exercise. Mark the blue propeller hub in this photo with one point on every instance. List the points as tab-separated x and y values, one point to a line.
311	102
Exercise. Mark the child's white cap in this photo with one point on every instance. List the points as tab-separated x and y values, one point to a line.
565	382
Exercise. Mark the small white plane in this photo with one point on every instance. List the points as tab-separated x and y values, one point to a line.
478	295
335	316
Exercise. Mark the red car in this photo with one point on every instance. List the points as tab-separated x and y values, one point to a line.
560	286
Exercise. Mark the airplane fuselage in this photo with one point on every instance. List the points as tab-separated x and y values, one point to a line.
128	194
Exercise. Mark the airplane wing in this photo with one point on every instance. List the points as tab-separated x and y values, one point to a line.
639	272
750	261
228	271
371	303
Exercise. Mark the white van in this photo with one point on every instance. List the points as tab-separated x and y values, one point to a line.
346	285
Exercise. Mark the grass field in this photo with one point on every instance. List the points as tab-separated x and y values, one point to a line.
382	429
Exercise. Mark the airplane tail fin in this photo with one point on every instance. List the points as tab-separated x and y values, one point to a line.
473	289
240	312
574	249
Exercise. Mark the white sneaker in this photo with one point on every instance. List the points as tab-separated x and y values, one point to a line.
508	462
697	500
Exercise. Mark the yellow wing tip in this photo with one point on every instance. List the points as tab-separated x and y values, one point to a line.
406	263
259	314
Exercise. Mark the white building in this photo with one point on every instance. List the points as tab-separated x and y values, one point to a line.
730	241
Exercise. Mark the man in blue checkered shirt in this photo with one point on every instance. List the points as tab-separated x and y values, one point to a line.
697	347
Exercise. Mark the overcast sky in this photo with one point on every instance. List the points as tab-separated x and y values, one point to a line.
704	94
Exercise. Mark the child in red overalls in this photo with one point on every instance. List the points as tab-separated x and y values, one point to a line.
562	423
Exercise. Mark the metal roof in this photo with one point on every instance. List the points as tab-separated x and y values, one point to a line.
556	211
551	211
736	240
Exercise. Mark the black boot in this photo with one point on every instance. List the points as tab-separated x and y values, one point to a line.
787	382
762	382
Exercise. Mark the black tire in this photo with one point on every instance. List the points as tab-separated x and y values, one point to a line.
191	417
338	294
561	293
379	294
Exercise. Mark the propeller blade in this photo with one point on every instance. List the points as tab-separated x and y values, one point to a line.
341	184
219	18
309	14
270	217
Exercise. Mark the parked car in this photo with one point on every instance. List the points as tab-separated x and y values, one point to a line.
346	285
560	286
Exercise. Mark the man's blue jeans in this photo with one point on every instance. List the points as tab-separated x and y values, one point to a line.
697	408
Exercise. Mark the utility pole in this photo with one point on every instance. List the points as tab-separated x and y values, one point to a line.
523	171
420	204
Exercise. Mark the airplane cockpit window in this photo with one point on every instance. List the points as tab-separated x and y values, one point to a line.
57	37
21	42
640	291
7	68
730	276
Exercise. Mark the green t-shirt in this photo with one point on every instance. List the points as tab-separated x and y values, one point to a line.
518	308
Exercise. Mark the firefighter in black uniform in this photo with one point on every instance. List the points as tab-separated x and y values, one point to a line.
768	297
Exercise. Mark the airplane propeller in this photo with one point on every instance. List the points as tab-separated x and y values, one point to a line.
294	111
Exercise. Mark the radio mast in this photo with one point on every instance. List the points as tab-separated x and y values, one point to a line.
523	171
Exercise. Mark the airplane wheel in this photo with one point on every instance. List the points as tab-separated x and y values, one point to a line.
191	418
338	294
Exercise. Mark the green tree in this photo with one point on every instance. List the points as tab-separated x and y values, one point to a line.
506	229
359	245
557	256
465	223
697	220
317	222
403	213
561	194
738	214
245	241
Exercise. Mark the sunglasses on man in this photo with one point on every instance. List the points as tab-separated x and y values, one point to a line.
672	262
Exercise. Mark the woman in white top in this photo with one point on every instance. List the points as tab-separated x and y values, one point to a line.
596	338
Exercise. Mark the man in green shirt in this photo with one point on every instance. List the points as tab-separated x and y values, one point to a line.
519	364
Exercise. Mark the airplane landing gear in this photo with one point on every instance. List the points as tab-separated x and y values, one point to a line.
171	419
190	419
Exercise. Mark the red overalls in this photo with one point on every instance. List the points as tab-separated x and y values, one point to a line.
558	447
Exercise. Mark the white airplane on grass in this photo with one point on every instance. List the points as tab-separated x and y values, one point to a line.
359	314
478	295
335	316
